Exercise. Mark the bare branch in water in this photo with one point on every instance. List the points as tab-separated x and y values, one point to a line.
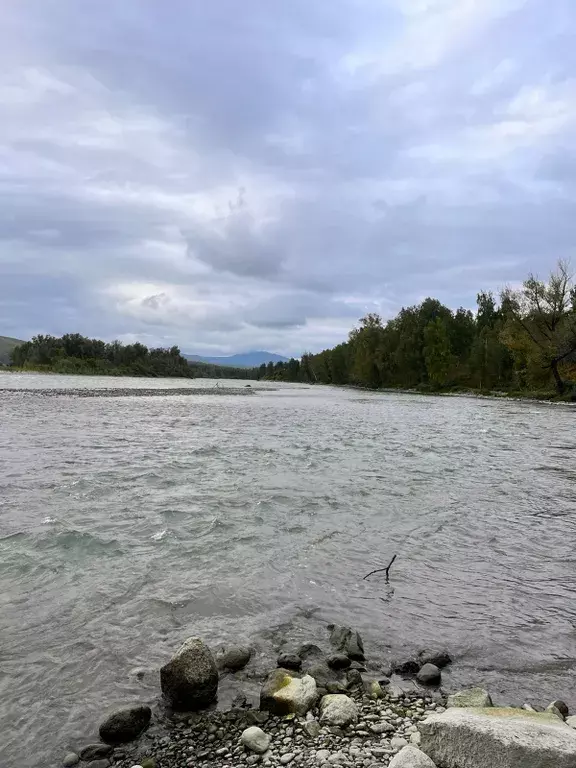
380	570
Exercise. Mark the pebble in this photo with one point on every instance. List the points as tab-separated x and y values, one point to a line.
287	758
70	760
397	743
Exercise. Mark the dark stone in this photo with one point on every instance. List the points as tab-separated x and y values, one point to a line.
347	641
384	681
429	675
255	717
561	706
353	678
234	658
289	661
338	661
95	752
322	674
410	667
190	679
440	659
310	652
321	691
125	724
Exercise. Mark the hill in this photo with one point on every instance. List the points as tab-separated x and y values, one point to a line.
243	360
7	344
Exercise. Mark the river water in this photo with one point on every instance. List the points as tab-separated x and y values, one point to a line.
128	524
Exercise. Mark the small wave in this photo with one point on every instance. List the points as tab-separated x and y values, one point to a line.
48	520
159	535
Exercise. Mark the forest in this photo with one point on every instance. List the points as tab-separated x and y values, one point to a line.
522	342
76	354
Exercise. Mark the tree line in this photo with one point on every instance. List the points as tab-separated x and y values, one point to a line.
524	340
76	354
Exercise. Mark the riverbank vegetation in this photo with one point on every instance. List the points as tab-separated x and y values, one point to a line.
76	354
523	343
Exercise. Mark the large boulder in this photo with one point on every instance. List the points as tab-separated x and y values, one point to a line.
470	697
411	757
125	724
283	694
347	641
498	737
338	709
190	679
234	658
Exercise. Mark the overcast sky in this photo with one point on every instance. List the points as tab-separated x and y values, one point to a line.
258	174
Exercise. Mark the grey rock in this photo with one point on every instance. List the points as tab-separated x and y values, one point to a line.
256	717
190	679
289	661
255	739
353	678
411	757
337	709
95	752
382	727
287	758
70	760
470	697
398	743
105	763
439	658
498	737
310	652
322	674
322	756
312	728
125	724
283	694
416	738
233	658
561	706
554	711
338	661
347	641
429	675
571	721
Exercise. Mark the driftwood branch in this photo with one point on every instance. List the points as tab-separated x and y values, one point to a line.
381	570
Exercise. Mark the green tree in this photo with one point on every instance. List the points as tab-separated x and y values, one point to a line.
541	323
437	352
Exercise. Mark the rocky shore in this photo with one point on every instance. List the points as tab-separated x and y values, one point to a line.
326	708
132	392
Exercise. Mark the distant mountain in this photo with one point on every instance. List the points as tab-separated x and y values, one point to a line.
245	360
7	344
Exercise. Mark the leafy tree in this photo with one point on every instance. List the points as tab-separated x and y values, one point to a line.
541	322
437	352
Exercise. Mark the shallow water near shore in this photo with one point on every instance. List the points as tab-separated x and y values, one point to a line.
130	523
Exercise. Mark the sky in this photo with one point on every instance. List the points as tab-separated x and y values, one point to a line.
229	175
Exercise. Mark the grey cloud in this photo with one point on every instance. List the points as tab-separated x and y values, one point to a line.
226	180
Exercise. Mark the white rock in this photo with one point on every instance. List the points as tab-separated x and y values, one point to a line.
470	697
498	737
255	739
322	756
571	721
398	743
410	757
338	709
416	738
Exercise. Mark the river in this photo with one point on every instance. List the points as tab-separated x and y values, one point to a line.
128	524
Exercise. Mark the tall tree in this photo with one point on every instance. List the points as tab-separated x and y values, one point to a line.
541	322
